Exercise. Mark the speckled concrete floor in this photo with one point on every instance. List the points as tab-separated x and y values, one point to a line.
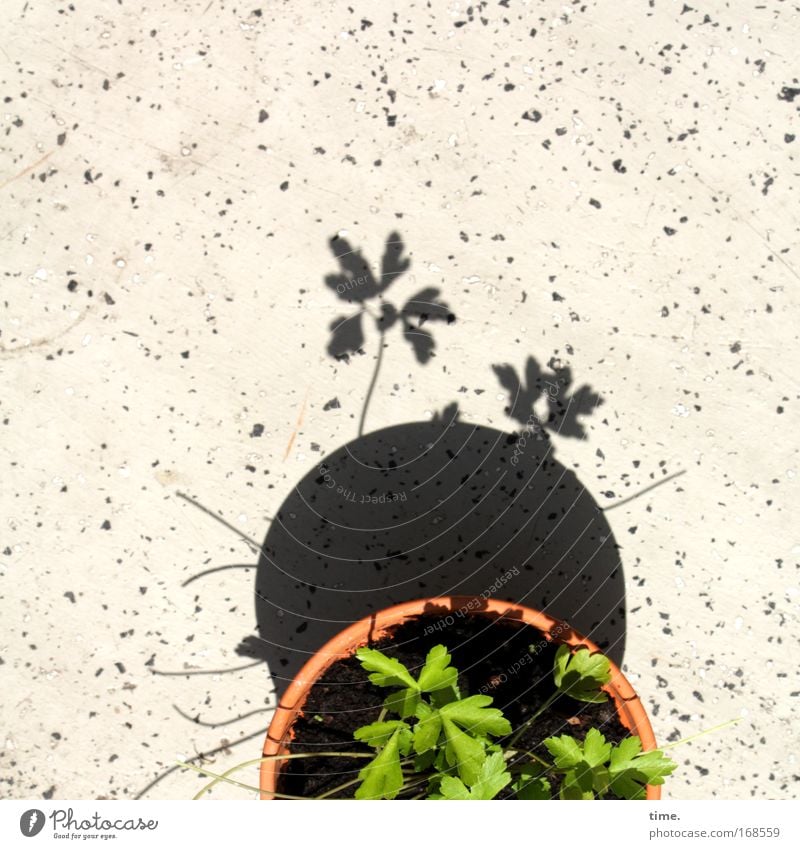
610	185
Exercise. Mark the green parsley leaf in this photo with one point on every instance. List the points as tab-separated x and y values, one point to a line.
473	715
463	752
453	788
425	761
583	763
578	782
531	784
402	702
631	770
437	674
565	750
581	674
596	750
387	671
492	778
378	733
427	730
440	698
382	777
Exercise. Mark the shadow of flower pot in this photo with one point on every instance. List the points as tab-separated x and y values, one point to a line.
434	508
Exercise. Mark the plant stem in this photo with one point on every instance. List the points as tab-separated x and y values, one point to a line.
540	710
426	776
700	734
224	776
371	385
329	793
535	757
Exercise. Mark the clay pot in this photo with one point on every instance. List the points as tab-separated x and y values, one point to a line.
630	711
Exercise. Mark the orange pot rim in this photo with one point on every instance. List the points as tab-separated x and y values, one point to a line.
630	711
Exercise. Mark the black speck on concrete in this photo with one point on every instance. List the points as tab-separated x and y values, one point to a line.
258	430
333	404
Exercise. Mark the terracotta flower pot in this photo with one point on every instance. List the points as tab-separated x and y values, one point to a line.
630	711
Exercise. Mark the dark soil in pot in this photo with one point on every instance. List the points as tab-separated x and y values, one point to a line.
507	660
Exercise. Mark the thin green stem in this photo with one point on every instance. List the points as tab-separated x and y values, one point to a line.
700	734
225	775
328	793
351	782
426	777
535	715
217	778
540	761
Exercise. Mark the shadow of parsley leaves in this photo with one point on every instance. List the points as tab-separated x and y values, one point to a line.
356	284
563	407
